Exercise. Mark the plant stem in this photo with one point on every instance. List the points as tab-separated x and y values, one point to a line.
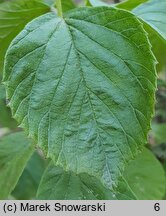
59	7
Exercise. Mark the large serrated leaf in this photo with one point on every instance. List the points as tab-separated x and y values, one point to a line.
13	18
153	13
83	87
15	150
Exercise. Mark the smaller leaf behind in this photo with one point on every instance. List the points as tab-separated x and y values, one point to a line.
158	47
15	151
66	4
153	13
146	177
13	17
95	3
29	181
127	5
5	113
130	4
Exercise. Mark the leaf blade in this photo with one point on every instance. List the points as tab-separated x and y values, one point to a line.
154	15
130	4
28	183
12	161
142	179
77	109
12	20
69	186
57	184
5	114
96	3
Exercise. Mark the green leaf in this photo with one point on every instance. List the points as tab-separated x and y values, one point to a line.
86	95
127	5
158	47
130	4
98	3
57	184
146	177
153	13
66	4
87	3
28	183
6	119
15	150
13	18
49	2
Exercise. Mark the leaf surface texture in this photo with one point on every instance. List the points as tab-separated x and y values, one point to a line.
83	89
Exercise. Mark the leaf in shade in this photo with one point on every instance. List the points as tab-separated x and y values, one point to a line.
13	18
15	151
